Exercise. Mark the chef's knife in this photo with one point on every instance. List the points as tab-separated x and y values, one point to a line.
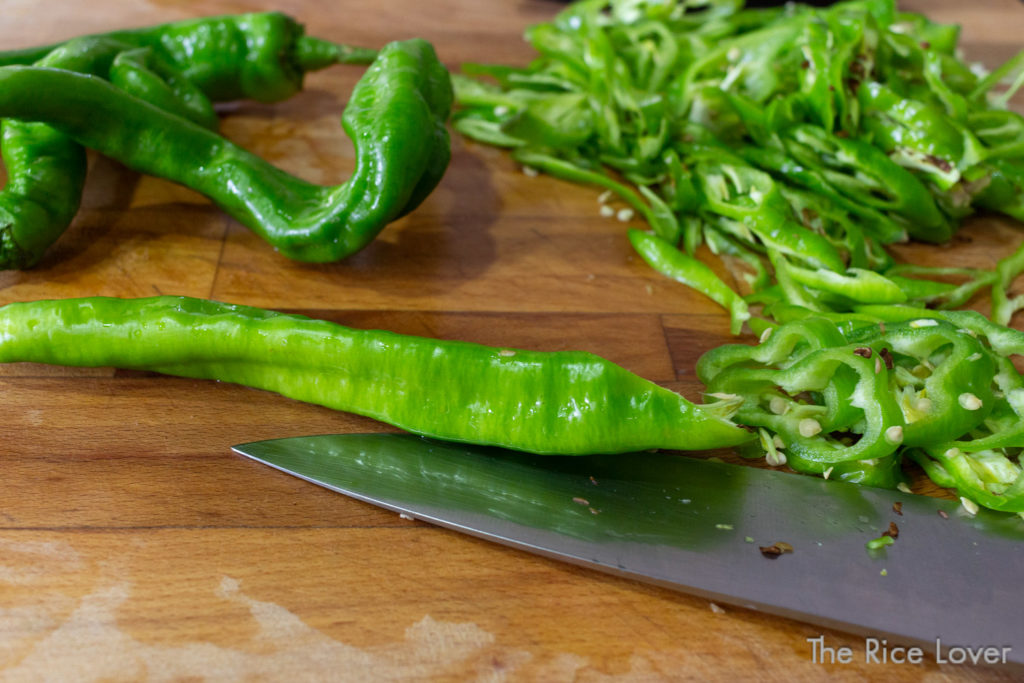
950	579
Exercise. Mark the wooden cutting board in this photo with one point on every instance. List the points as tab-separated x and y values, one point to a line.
134	544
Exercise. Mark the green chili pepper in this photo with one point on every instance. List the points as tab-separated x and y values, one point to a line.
556	402
796	144
46	170
918	135
809	358
259	56
396	119
178	67
943	378
671	262
879	225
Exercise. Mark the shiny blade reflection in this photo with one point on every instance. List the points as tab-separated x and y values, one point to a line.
698	526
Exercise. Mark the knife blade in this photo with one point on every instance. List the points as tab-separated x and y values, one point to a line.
950	579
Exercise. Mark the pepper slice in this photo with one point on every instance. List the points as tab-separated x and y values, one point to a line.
942	376
804	383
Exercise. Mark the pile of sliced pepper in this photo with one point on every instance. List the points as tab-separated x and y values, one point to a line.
848	397
796	143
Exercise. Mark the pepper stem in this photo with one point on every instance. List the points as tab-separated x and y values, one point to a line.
314	53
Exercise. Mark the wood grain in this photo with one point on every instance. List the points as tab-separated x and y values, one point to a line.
133	543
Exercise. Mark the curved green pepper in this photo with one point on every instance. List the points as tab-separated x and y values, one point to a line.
46	170
395	117
918	135
556	402
261	56
178	67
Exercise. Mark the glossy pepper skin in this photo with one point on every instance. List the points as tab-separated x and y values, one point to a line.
396	119
555	402
260	56
46	169
181	68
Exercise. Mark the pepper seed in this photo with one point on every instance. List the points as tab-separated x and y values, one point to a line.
809	427
894	434
969	401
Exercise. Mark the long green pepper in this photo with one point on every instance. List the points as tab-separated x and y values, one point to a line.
395	117
556	402
180	67
46	170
